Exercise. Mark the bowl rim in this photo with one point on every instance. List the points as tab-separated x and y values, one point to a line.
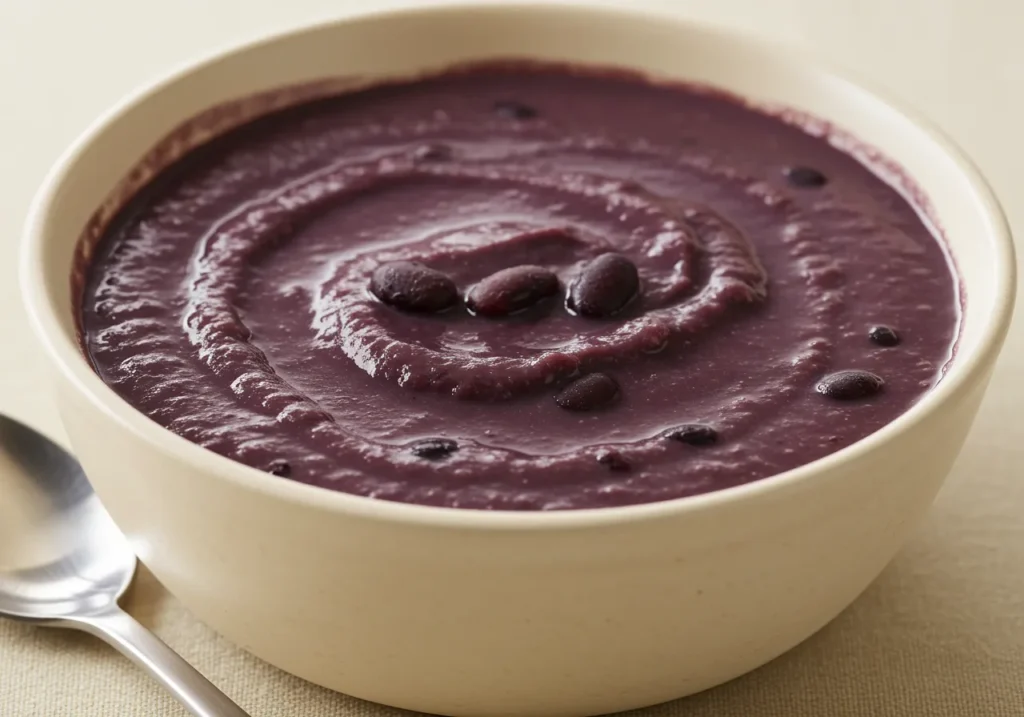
44	315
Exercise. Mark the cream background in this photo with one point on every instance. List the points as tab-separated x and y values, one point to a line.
941	633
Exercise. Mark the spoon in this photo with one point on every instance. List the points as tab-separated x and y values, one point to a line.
63	563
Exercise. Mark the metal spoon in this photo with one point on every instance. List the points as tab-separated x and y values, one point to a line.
63	563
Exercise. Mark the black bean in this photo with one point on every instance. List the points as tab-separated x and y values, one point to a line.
434	448
433	152
850	385
510	109
884	336
805	177
280	468
694	434
411	286
613	460
604	286
512	290
588	393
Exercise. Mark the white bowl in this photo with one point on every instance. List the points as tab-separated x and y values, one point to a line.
476	613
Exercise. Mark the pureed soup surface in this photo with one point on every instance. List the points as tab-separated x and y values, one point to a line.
520	287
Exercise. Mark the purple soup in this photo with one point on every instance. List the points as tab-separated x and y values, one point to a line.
520	287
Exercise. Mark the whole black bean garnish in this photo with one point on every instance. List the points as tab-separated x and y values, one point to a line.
850	385
884	336
510	109
280	468
805	177
512	290
603	287
588	393
434	448
411	286
694	434
612	459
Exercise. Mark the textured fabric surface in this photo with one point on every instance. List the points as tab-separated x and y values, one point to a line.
940	634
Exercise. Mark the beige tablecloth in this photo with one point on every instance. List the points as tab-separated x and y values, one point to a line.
940	633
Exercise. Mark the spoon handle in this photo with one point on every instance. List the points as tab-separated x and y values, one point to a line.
122	631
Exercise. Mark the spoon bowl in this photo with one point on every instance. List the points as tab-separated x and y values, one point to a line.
64	563
60	553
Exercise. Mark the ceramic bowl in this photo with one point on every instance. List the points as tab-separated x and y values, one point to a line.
473	613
